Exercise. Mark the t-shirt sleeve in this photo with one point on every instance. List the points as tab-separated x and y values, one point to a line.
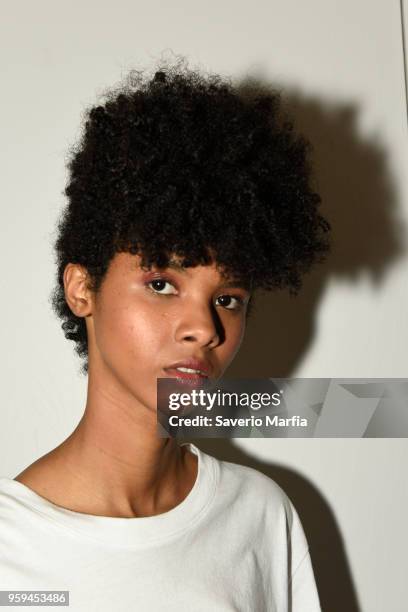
302	595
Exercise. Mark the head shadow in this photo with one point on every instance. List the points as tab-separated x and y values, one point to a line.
359	200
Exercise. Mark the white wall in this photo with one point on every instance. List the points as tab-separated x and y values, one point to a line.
340	63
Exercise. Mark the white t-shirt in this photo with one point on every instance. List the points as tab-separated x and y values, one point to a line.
235	543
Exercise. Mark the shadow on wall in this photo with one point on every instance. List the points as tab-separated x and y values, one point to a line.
359	201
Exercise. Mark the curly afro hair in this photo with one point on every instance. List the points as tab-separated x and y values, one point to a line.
184	164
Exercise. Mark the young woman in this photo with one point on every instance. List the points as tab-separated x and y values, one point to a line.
184	197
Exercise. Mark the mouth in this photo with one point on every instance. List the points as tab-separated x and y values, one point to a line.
187	376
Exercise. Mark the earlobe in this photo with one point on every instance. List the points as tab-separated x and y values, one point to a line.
77	293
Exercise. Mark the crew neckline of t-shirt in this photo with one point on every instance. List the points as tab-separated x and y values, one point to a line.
132	532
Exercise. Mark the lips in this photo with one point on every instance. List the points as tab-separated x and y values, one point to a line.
203	367
193	364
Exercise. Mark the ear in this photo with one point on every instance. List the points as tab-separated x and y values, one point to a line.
77	293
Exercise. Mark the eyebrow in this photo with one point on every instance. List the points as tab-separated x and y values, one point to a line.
242	284
237	283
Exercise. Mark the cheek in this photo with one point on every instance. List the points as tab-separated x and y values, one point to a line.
237	330
130	334
234	335
238	339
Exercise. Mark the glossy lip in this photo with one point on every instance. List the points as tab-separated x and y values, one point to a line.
185	379
192	363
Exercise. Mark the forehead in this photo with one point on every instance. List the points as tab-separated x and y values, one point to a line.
133	263
175	264
228	280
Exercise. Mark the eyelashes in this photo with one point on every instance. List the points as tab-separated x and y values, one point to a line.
166	287
239	301
160	282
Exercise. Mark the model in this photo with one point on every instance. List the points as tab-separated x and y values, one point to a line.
185	196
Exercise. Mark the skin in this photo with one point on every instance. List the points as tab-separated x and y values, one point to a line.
113	463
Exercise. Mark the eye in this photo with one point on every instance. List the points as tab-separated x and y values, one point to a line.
231	302
162	286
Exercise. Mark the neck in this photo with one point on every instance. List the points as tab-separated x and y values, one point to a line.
115	458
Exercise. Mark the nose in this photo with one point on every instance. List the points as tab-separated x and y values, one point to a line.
200	325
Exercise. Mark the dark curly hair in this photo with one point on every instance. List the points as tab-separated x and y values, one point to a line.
184	164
